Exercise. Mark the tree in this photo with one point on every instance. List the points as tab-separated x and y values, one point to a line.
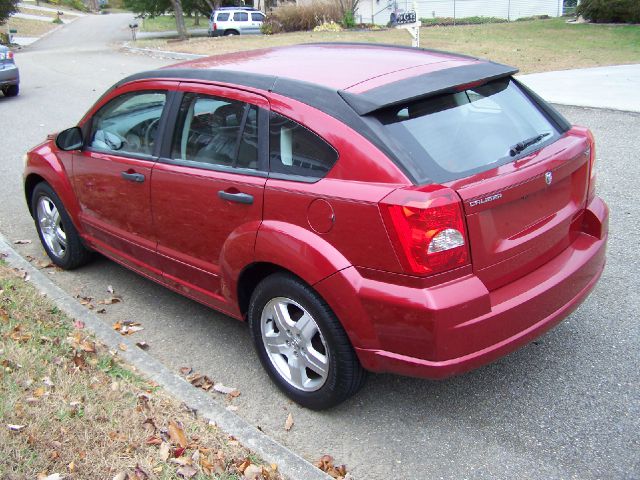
7	8
153	8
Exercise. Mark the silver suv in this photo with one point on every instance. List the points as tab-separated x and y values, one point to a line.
235	21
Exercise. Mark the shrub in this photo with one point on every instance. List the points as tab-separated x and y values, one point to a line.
328	27
293	18
610	11
271	25
347	20
445	21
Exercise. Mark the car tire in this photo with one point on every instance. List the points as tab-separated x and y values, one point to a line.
305	334
57	233
11	91
228	33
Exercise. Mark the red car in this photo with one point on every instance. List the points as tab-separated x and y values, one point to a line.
362	207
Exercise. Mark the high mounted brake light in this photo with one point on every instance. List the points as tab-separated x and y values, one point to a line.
428	229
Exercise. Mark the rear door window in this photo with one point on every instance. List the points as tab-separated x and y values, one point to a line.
295	150
213	131
240	17
257	17
454	135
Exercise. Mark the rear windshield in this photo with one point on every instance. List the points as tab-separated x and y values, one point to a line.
454	135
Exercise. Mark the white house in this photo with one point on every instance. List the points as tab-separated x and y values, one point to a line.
379	11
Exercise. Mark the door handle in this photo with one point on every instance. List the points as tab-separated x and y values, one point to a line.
236	197
132	177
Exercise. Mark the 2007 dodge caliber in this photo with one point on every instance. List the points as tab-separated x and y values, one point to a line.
362	207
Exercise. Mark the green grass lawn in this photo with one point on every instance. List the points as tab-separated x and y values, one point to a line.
168	22
532	46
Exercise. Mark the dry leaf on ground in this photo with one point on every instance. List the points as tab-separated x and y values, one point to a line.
176	433
22	242
289	423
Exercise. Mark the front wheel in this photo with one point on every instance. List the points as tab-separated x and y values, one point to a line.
57	233
301	343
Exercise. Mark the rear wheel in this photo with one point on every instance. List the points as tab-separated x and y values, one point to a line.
228	33
11	91
57	233
301	343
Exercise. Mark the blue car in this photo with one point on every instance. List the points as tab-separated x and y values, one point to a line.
9	74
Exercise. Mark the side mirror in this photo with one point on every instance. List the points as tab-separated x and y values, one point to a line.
70	139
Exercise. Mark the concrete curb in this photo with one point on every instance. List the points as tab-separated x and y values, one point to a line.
161	53
289	464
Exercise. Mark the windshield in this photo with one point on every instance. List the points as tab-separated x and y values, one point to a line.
454	135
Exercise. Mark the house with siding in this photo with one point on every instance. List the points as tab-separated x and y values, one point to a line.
379	11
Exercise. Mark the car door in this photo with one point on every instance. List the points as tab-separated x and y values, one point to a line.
241	22
112	175
207	191
256	23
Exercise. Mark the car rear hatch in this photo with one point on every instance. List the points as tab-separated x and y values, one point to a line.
521	174
521	217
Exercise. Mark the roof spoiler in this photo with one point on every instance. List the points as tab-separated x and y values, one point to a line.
424	86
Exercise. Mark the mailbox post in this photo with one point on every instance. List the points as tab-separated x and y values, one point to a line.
409	22
134	30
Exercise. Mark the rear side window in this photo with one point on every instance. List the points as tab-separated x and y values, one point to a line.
458	134
216	131
294	150
223	17
257	17
240	16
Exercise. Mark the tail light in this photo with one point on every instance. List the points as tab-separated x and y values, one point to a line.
215	26
427	228
10	55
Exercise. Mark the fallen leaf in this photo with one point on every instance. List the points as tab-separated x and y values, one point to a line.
101	310
117	326
186	471
220	388
153	440
110	290
22	242
253	472
176	433
121	476
45	264
140	473
142	345
72	467
53	476
177	453
122	347
232	408
289	422
79	362
325	463
16	428
39	392
110	301
4	316
47	381
165	450
79	324
185	370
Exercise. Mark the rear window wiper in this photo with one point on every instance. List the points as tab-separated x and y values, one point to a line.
520	146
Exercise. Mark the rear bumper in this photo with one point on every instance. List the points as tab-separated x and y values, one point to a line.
457	326
9	76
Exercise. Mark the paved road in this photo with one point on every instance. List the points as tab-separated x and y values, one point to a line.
564	407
